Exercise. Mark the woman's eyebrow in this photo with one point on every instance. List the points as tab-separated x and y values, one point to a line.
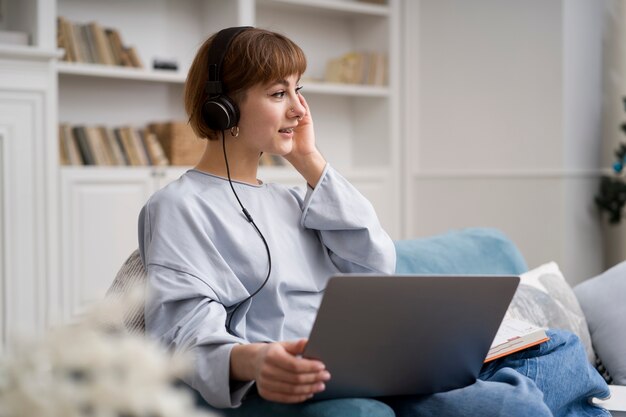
285	82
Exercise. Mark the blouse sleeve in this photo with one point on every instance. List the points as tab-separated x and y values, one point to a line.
185	317
348	226
185	314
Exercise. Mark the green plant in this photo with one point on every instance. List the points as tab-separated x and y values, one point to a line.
611	196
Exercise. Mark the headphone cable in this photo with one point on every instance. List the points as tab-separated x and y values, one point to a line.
251	221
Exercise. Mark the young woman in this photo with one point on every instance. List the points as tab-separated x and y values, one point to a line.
237	267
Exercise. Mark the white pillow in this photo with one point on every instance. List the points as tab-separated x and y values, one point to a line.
545	299
603	301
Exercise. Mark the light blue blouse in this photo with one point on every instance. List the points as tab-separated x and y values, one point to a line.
202	256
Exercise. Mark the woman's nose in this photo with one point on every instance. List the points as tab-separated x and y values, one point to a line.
297	110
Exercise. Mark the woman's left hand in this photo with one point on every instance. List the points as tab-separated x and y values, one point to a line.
304	155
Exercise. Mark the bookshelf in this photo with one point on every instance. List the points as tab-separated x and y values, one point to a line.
92	210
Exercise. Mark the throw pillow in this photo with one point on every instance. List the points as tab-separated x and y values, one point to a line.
130	276
545	299
602	300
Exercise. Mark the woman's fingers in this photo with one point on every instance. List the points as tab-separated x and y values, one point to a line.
284	377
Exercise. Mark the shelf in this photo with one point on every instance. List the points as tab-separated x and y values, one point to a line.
358	90
330	6
28	52
136	74
269	173
124	73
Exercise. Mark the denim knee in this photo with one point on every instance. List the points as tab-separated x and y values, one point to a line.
348	407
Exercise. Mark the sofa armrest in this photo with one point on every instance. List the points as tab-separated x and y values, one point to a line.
617	403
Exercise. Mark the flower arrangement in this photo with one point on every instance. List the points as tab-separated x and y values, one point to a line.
611	196
94	368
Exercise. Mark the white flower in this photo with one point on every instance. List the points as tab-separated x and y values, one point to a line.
94	368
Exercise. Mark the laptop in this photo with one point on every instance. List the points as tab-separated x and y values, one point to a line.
382	335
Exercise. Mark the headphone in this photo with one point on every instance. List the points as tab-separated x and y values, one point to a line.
219	112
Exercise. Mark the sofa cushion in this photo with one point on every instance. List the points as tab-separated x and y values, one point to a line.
131	275
464	251
603	300
545	299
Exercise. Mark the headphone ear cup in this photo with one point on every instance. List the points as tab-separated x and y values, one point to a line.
220	113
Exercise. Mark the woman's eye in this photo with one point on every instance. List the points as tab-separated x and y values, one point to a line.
279	94
298	89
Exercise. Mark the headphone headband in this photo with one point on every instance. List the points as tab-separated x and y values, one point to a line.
217	52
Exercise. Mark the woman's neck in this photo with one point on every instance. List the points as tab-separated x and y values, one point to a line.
243	166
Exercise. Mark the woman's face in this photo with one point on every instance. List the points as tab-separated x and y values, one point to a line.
269	113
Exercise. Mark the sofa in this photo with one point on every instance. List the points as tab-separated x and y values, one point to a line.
593	310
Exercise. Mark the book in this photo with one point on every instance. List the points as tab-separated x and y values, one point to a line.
103	50
117	48
140	147
64	39
515	335
155	150
96	144
113	146
129	144
83	145
69	145
63	151
357	68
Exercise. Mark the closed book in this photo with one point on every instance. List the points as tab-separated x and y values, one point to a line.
130	148
112	145
71	147
104	54
78	42
120	142
134	57
64	39
137	136
63	153
117	48
92	53
155	150
83	145
96	145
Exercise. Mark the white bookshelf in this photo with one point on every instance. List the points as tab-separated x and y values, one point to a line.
92	211
329	7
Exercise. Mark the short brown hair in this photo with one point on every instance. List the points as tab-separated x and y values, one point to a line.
255	56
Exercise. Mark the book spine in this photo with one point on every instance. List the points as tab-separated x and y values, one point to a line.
73	153
120	142
129	146
83	145
103	46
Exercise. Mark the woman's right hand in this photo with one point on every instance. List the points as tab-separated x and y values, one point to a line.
283	376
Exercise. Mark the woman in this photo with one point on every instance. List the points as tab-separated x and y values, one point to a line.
237	267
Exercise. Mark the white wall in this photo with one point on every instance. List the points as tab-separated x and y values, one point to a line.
507	95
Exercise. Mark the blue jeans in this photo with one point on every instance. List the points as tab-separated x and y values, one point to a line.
553	379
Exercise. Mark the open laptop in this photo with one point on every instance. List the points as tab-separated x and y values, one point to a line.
385	335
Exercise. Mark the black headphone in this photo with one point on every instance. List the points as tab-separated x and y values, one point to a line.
219	112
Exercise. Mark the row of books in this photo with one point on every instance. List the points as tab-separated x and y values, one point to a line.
158	144
104	146
92	43
358	68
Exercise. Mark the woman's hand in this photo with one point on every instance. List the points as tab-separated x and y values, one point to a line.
304	155
281	375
